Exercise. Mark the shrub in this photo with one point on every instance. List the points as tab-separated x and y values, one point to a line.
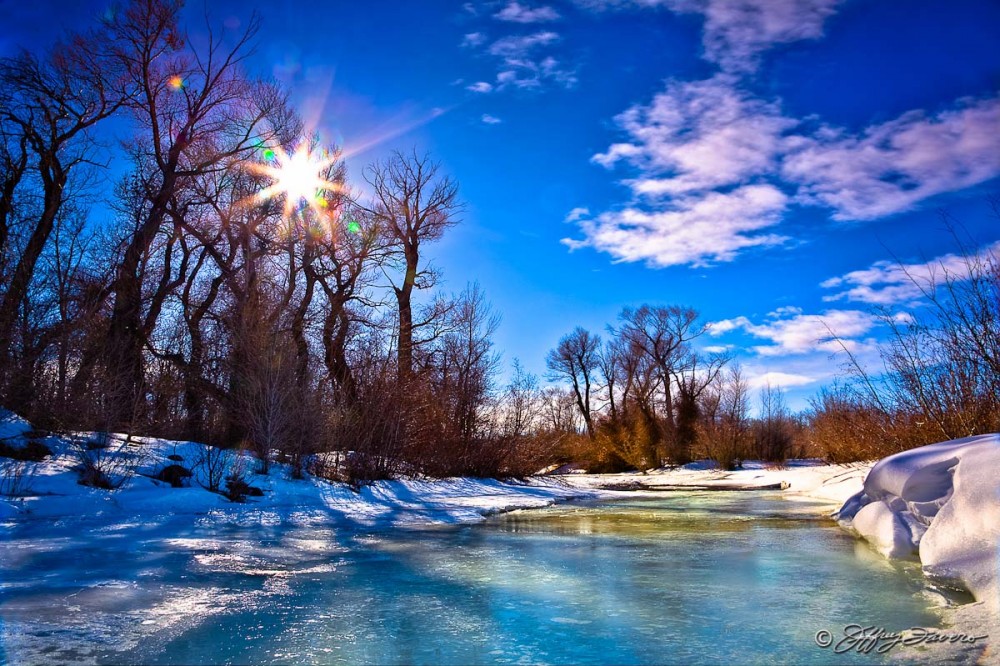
33	451
106	461
211	467
237	488
175	475
16	477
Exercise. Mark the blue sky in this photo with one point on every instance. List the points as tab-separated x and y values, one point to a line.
768	162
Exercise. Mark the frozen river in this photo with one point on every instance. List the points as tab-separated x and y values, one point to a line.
682	578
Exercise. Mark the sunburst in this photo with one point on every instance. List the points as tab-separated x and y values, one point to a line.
297	178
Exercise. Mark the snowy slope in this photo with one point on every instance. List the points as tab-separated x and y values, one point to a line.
53	491
939	503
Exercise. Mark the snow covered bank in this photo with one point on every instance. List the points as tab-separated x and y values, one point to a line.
824	487
939	503
52	491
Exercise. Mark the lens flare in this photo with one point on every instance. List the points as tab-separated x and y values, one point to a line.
176	82
297	177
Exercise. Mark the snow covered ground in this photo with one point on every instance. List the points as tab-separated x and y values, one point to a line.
940	503
53	492
52	489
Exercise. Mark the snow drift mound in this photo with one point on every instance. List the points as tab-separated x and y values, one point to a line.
940	503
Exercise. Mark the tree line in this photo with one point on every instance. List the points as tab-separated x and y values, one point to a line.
646	396
213	307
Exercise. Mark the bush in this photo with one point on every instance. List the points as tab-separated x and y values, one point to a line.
237	488
16	477
211	467
33	451
629	441
106	461
175	475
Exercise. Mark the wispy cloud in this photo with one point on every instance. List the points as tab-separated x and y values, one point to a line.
490	120
473	39
698	135
515	12
793	332
888	283
737	32
522	61
777	379
702	143
702	151
697	231
891	167
520	46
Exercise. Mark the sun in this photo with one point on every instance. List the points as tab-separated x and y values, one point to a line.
297	177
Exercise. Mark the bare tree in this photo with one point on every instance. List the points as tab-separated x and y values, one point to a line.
415	205
725	419
772	433
198	113
48	108
663	334
576	359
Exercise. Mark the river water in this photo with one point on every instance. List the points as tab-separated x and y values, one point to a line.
686	578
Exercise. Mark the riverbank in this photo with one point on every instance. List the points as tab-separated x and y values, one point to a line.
50	489
52	496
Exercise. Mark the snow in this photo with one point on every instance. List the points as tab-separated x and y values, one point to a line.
12	425
823	487
939	504
54	493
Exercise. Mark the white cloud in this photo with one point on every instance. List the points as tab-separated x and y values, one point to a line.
778	379
576	214
697	231
736	32
799	333
515	12
480	87
526	73
473	39
700	144
698	135
491	120
716	349
891	167
887	282
516	46
522	62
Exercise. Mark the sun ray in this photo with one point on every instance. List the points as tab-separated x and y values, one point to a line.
298	178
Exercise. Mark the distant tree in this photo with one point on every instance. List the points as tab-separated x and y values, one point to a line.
697	374
576	360
663	334
725	418
772	432
464	366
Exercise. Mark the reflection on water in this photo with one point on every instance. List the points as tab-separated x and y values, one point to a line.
688	578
